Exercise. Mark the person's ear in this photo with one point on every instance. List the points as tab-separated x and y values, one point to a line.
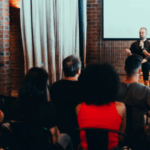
124	68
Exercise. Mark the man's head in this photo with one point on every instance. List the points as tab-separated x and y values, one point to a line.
133	65
143	33
71	66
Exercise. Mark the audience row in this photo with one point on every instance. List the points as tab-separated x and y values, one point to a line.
91	98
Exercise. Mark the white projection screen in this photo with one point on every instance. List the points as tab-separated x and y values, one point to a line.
122	19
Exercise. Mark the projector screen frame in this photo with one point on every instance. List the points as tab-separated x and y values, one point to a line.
116	39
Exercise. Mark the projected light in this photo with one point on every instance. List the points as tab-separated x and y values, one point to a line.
122	19
14	3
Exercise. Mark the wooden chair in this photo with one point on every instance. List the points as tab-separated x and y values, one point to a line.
97	139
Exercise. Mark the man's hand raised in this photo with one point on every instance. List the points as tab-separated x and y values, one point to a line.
141	44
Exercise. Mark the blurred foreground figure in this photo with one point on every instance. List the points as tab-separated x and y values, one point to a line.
33	119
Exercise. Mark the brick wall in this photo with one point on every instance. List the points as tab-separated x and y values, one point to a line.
93	31
12	73
5	79
16	51
98	50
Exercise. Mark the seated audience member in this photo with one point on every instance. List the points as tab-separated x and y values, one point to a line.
33	110
64	94
99	86
133	93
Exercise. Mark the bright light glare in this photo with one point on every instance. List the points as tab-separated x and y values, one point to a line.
14	3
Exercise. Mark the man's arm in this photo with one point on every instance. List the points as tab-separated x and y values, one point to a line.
146	53
131	50
128	52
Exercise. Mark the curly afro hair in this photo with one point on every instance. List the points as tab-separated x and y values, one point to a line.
98	84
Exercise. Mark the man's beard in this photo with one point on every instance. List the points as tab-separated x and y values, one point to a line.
142	38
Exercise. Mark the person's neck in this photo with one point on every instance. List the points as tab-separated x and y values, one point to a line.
75	78
131	79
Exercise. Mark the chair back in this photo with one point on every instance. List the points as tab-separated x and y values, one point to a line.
98	138
129	114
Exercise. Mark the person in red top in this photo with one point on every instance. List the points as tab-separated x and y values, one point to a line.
98	85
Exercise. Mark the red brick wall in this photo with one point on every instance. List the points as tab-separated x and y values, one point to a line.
93	31
5	80
98	50
16	51
11	74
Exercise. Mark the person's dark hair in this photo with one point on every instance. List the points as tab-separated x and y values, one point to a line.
71	65
132	63
35	86
98	84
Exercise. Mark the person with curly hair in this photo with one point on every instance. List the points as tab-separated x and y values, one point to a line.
98	85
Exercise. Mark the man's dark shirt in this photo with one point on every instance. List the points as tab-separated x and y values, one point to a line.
64	95
137	95
136	49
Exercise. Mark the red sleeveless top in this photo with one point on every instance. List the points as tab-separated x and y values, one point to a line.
103	116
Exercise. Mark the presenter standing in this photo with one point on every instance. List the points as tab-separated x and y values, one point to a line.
142	47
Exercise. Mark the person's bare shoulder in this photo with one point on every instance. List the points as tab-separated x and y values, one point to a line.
77	109
121	108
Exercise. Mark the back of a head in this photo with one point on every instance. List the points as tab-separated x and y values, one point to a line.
132	63
98	84
34	86
71	65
